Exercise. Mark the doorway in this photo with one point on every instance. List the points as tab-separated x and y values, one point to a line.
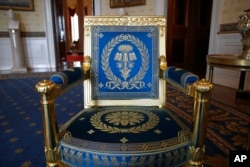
68	26
188	29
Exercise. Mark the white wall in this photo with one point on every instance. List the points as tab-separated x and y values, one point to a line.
228	43
35	51
5	54
224	43
39	51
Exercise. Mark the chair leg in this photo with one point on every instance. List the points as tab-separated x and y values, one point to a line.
48	90
201	106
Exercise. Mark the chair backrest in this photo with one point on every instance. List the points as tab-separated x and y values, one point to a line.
124	53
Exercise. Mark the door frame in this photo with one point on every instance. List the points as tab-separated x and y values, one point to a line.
215	25
50	33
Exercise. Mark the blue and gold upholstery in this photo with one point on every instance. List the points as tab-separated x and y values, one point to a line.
125	62
181	78
125	121
67	77
125	136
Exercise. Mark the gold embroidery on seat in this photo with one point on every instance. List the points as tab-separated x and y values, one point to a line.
124	118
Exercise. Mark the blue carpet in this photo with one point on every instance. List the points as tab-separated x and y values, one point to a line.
21	130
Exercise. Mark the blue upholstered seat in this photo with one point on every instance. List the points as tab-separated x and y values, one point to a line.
125	136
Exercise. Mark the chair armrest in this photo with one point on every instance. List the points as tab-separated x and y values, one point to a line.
181	79
72	77
49	90
67	77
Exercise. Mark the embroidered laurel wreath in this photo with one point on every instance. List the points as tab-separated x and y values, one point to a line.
106	55
114	125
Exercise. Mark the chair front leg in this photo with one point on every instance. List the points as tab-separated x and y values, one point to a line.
48	91
201	106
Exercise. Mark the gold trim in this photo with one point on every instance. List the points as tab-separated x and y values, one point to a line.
125	20
86	64
196	156
203	85
45	86
163	63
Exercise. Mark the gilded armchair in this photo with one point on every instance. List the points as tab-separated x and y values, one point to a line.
125	121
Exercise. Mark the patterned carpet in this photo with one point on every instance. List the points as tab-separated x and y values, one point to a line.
21	131
228	128
9	75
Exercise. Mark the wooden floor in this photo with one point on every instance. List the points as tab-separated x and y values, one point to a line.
228	96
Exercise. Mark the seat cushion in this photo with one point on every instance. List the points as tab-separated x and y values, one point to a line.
124	136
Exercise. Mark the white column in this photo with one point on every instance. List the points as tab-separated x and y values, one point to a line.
19	63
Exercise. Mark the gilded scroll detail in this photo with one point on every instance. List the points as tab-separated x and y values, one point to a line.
125	20
196	155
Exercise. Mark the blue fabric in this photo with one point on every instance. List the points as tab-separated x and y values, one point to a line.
124	136
67	77
126	62
180	76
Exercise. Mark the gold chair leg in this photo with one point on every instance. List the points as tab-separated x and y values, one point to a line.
201	105
48	90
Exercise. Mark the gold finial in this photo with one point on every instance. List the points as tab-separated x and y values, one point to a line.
45	86
86	63
163	63
203	85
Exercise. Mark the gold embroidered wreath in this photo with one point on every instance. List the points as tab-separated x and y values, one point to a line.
106	55
97	122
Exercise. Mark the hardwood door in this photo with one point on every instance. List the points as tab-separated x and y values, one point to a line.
188	28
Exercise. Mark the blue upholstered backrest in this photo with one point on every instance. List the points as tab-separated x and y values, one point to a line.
125	62
124	56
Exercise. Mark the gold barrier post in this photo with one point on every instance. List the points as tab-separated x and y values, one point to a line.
48	91
201	105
